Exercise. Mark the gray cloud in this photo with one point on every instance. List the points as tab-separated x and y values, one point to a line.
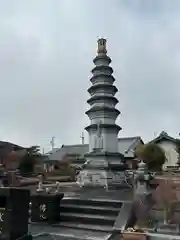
46	52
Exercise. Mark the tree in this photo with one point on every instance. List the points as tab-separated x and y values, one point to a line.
178	151
166	197
29	160
152	155
34	150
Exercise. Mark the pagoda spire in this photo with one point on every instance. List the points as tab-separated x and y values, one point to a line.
102	100
103	155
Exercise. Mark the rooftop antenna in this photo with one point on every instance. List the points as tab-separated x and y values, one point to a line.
82	137
52	143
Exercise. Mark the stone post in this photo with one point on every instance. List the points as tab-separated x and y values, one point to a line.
40	184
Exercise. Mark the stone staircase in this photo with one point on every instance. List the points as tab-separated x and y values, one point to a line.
85	218
89	214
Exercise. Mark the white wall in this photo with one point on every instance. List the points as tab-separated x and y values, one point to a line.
171	154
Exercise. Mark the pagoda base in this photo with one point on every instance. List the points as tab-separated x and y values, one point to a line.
101	178
102	170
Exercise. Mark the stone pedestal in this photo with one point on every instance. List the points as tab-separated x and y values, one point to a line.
46	207
14	213
101	177
100	170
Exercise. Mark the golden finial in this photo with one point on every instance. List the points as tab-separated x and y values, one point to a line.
101	46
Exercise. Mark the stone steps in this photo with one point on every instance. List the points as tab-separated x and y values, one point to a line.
88	218
99	215
92	202
89	209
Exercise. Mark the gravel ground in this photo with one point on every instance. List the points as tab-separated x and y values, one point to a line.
73	190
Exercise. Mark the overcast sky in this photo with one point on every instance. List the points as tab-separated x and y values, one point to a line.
46	52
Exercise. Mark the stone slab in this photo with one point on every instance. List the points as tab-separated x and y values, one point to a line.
123	217
167	228
66	233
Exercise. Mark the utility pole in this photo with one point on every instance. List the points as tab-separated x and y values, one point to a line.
52	143
82	138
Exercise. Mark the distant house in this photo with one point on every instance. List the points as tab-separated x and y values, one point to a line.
12	160
168	144
11	155
76	152
8	154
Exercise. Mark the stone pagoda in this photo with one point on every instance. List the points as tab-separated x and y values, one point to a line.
104	164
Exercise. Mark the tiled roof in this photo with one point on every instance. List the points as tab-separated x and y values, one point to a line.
126	147
4	144
163	136
52	151
79	149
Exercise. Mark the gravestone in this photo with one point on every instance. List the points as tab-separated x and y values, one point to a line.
46	207
14	213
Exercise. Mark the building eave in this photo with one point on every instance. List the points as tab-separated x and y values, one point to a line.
134	143
102	97
163	136
103	108
103	125
4	144
103	86
103	75
98	57
101	68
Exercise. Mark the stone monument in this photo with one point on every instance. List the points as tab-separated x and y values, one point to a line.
142	179
104	164
14	213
